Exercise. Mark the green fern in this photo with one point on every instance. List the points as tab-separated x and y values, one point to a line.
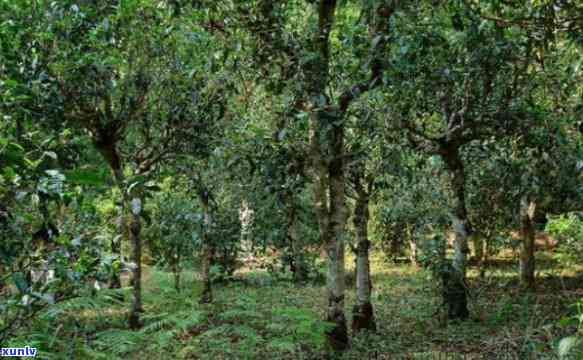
99	303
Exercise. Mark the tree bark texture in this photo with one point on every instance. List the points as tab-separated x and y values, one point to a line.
363	312
527	259
412	246
455	292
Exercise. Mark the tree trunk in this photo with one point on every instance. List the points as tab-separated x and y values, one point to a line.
135	228
109	153
527	259
412	247
457	295
330	204
336	272
395	247
115	280
246	215
336	229
363	312
485	254
478	241
207	256
327	155
176	271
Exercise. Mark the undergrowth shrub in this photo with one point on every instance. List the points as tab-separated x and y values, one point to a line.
568	230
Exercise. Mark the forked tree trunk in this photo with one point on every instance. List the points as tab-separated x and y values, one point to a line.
363	312
327	152
527	259
456	295
207	255
134	228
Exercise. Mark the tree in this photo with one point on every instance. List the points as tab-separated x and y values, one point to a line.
121	75
311	56
475	101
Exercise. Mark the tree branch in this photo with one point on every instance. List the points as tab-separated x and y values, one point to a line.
379	41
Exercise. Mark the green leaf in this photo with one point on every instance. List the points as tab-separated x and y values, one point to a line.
9	83
564	322
85	177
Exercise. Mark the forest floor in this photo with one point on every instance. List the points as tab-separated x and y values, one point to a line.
275	319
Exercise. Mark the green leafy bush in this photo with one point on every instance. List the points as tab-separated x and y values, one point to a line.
568	230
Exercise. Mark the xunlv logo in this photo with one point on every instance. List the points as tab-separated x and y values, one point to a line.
25	351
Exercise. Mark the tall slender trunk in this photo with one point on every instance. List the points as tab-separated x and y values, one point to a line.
105	140
207	256
456	294
485	255
395	243
111	156
330	204
362	313
336	230
527	259
135	227
246	215
478	241
336	262
412	246
176	271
